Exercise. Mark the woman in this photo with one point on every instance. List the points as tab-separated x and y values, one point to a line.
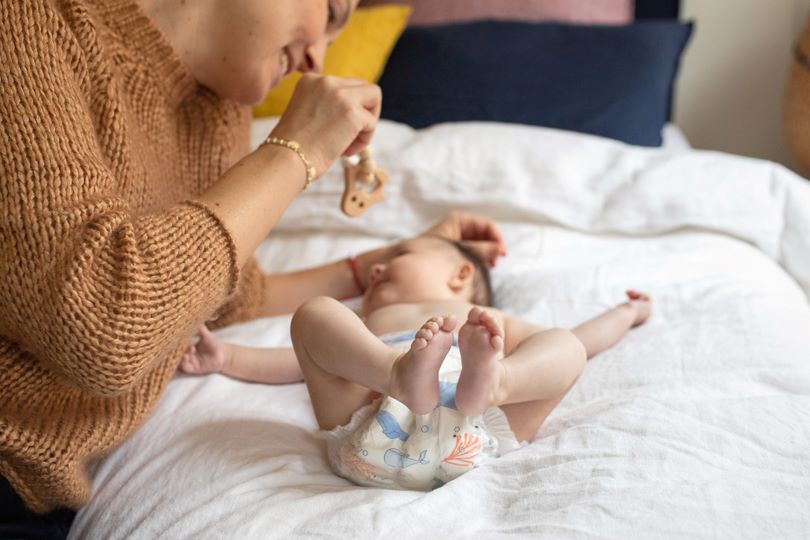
127	221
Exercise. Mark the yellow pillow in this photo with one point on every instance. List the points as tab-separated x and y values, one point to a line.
360	52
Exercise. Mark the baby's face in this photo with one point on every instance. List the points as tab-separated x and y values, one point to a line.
421	269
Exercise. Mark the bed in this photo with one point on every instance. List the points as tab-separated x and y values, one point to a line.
694	426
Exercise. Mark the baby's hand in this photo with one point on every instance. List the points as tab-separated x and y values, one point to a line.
641	303
209	355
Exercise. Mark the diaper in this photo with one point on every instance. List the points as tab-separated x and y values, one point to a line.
386	445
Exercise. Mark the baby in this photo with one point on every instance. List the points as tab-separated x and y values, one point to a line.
413	409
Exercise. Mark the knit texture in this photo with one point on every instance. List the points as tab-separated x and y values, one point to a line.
107	265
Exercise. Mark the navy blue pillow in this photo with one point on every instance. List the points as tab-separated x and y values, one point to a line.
613	81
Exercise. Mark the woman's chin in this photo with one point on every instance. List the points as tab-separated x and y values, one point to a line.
250	94
254	98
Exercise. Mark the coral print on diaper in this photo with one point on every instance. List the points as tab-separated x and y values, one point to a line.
465	451
390	427
355	463
400	460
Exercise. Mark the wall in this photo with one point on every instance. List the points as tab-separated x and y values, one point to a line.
734	73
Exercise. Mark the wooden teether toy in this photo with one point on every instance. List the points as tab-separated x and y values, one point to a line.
364	185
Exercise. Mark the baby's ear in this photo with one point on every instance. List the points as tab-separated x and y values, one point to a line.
463	276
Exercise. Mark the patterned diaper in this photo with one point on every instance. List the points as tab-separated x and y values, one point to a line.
386	445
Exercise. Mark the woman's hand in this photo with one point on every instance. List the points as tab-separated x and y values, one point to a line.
330	117
478	233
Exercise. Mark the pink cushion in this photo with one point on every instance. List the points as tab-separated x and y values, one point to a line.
427	12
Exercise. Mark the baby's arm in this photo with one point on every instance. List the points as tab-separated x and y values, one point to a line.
605	330
210	355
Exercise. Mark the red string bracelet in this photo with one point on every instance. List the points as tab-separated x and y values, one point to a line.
352	262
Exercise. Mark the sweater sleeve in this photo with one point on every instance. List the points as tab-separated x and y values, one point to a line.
93	290
248	302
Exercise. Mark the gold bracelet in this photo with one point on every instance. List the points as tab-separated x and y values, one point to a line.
295	147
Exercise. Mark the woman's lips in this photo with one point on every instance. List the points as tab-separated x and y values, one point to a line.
286	63
285	67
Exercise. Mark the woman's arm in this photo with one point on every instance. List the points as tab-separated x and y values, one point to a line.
284	293
326	116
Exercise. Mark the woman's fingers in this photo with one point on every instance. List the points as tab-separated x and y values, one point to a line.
330	117
481	233
487	251
363	139
368	95
481	228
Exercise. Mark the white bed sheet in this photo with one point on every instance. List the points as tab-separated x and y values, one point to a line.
694	426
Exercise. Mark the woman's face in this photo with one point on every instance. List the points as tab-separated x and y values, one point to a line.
255	43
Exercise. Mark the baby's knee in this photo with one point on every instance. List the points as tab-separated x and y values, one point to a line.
310	313
578	354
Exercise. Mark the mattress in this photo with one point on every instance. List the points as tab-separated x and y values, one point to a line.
693	426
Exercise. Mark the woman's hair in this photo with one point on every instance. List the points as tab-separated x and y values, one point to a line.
482	286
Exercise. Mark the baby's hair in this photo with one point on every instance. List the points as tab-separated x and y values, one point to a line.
482	294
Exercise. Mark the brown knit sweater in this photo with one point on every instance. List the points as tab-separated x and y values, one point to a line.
107	265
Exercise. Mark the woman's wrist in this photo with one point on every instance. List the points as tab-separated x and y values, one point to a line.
251	196
295	147
289	159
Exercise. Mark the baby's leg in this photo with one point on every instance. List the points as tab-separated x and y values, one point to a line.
527	384
539	373
526	418
346	366
326	334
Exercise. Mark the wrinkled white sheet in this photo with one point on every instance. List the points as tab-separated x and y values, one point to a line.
694	426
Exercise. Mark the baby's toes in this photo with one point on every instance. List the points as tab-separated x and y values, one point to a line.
419	343
425	333
492	326
447	323
474	316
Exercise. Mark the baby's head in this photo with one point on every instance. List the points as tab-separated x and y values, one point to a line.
428	268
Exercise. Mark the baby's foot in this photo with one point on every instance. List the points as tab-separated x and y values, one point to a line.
480	341
641	303
415	374
209	355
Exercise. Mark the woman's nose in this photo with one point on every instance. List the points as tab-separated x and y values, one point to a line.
314	57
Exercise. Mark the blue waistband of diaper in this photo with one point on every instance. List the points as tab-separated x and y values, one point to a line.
407	336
